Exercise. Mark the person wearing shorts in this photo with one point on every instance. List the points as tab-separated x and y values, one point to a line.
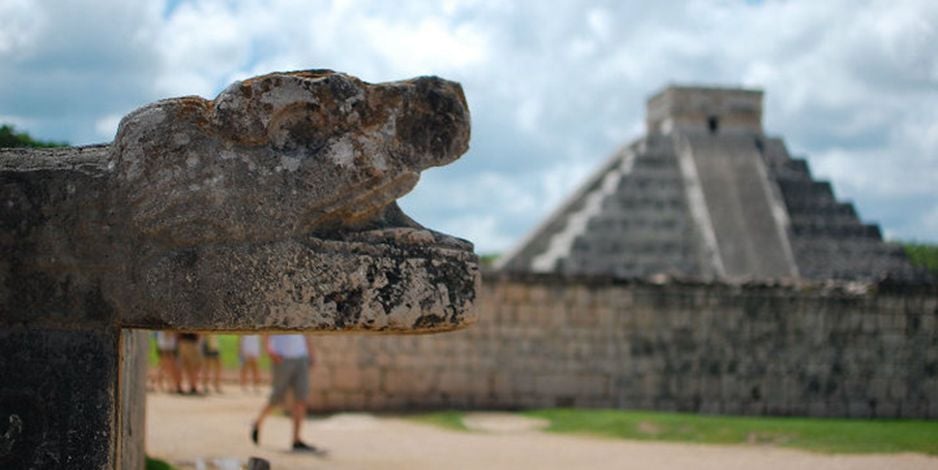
190	358
291	357
211	357
166	349
249	350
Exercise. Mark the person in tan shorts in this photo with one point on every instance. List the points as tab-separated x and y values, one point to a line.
291	357
190	358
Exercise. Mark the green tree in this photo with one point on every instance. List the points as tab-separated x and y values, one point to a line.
10	138
923	255
488	259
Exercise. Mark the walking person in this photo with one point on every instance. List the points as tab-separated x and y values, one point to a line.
212	363
190	358
291	357
249	351
168	369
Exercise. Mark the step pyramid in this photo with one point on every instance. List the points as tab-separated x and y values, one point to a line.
705	194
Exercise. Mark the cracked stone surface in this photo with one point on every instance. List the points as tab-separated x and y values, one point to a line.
271	207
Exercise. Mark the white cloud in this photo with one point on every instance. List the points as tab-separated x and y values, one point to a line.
559	182
21	22
70	63
527	115
554	87
428	46
482	229
930	221
17	121
107	126
200	44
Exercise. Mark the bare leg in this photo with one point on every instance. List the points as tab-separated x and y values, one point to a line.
255	378
192	372
165	372
215	366
160	373
256	431
175	373
299	413
212	373
206	371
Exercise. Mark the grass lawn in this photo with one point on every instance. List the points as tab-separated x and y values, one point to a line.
443	419
819	435
227	345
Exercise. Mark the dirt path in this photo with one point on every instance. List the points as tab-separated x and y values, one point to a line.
194	431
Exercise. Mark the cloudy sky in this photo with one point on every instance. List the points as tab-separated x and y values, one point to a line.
554	86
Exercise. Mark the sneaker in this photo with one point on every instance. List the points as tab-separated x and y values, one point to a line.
254	433
301	446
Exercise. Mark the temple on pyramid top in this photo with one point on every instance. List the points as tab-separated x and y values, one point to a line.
706	194
704	110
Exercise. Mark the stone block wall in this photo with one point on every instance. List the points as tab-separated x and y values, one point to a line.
545	341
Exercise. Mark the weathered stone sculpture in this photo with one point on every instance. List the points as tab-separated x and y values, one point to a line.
271	207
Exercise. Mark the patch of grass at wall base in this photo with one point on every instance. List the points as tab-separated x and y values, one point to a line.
445	419
157	464
847	436
819	435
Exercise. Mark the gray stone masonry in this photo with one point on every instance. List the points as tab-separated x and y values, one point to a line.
818	349
272	207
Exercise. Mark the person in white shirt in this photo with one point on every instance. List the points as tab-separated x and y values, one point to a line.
249	350
291	357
